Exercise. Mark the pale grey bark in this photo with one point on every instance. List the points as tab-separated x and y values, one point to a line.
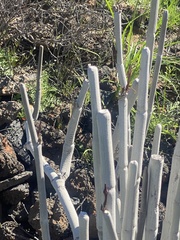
93	78
83	226
37	153
154	191
172	190
38	85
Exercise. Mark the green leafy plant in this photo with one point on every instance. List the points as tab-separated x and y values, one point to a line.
173	8
110	4
168	117
8	60
49	93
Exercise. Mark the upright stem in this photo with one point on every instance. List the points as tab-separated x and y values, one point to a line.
118	37
109	226
129	225
38	84
174	229
93	78
123	150
150	38
140	121
68	147
107	167
143	208
131	97
157	67
154	191
156	139
83	226
37	147
141	115
118	216
172	190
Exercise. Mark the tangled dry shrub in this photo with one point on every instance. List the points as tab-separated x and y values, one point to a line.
73	33
9	12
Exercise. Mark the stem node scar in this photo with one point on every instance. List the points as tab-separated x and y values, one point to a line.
105	191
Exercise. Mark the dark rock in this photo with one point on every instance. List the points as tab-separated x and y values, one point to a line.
16	135
19	212
80	185
58	223
16	194
10	230
9	111
9	165
17	179
53	140
8	86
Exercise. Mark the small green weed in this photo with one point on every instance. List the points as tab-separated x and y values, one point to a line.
8	60
87	155
49	97
173	8
110	4
168	117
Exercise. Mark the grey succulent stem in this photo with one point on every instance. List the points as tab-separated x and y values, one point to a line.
129	224
143	208
174	229
172	190
141	115
93	78
83	226
38	84
154	190
150	38
118	37
68	147
156	139
157	67
37	148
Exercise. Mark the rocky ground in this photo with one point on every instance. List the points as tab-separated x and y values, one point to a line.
18	189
